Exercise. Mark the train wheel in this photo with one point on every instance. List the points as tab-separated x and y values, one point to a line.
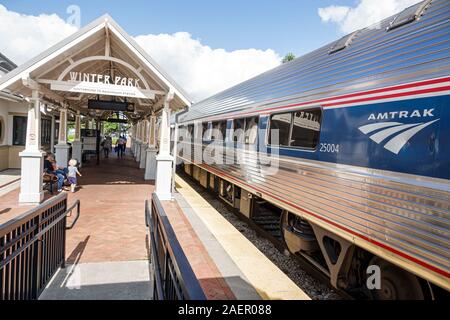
396	283
297	233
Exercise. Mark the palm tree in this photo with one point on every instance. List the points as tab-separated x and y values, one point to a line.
288	57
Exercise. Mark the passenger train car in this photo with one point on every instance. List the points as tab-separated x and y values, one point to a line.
349	148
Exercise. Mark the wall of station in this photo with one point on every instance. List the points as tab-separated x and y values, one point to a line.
9	152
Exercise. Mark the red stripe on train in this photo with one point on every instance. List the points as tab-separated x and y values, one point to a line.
351	95
388	96
379	244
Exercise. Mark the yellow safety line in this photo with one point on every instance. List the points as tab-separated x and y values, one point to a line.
267	279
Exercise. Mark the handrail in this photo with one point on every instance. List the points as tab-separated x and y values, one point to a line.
32	213
32	248
153	250
173	274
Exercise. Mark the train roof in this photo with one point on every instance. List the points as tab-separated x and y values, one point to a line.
410	46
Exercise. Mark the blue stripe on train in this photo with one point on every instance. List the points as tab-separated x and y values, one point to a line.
410	136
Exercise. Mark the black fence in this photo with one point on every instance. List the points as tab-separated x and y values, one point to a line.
32	248
172	275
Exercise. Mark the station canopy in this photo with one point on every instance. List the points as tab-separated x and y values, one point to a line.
97	68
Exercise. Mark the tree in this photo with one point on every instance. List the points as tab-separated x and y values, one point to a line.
288	57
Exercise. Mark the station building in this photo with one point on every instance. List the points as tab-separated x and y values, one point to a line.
86	78
13	113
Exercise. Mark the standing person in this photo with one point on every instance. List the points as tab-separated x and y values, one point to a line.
109	144
72	174
120	145
106	145
124	143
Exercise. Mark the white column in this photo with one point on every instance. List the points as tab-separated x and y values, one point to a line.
150	157
164	160
139	142
132	140
144	145
52	137
77	145
62	148
32	157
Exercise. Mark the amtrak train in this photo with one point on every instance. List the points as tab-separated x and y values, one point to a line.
347	151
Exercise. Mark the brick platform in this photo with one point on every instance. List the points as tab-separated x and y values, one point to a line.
112	224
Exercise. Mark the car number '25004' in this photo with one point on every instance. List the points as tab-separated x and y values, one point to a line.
329	147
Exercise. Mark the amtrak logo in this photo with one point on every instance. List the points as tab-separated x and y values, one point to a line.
399	133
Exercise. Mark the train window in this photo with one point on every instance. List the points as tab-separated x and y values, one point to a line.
206	134
198	133
182	133
238	130
282	123
306	128
190	132
409	15
251	130
223	130
219	129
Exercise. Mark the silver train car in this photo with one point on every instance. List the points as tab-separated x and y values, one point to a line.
346	151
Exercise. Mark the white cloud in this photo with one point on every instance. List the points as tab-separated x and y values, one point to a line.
23	36
333	13
364	14
199	69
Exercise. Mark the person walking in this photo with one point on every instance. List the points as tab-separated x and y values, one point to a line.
106	145
72	174
121	147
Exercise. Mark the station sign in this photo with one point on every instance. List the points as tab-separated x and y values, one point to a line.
101	84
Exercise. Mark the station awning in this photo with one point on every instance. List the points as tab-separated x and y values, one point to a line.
99	62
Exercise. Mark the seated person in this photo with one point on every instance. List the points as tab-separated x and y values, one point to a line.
51	167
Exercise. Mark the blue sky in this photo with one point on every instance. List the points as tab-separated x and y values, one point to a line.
205	45
282	25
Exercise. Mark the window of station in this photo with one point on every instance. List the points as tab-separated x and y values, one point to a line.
46	131
300	129
19	130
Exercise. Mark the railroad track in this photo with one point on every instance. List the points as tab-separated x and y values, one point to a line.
266	225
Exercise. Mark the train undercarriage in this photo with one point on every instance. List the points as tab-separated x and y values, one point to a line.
349	268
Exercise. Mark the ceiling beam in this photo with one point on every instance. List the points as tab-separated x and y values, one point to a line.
33	85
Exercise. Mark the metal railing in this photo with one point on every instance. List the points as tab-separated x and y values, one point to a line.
32	248
172	275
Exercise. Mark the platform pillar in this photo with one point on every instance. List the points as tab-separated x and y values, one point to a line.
77	145
150	156
164	160
62	148
32	158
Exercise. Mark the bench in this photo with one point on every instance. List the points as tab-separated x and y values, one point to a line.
49	180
